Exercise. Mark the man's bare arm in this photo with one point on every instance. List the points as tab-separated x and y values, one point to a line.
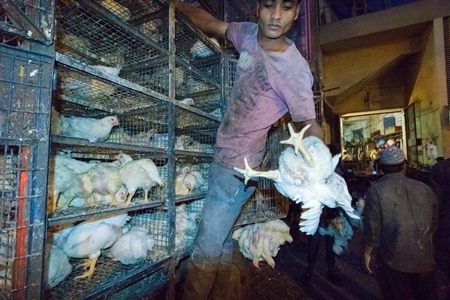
202	19
315	128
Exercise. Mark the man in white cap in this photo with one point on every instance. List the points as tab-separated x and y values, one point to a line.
400	217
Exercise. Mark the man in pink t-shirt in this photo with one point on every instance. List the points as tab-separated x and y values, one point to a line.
272	78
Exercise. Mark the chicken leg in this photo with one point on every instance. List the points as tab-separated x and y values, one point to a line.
54	203
145	196
113	199
248	172
130	196
90	266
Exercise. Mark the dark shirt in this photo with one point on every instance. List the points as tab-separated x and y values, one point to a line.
440	179
400	217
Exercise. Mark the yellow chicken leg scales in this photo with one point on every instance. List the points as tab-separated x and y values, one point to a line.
90	266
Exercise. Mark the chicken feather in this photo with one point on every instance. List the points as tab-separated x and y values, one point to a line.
88	128
306	174
132	247
87	239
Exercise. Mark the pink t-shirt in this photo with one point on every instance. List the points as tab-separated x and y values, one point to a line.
265	88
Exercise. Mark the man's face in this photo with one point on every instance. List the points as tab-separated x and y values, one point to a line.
276	17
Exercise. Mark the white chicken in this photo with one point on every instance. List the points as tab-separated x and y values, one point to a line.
88	128
341	230
307	177
186	224
200	50
132	247
63	172
87	239
141	138
194	179
187	180
136	174
187	101
106	180
261	241
59	267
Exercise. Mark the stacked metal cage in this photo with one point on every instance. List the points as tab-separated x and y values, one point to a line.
25	88
167	85
116	59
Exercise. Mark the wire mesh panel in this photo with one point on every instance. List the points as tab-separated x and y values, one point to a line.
156	221
191	179
134	118
191	44
117	265
200	81
240	11
187	218
20	20
25	89
113	33
195	132
199	61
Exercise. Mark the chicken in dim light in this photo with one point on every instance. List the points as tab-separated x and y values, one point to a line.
89	238
132	246
138	174
261	241
88	128
306	174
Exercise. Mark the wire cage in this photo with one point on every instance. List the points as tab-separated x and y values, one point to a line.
25	86
195	132
187	218
240	11
191	179
142	119
130	40
22	20
114	272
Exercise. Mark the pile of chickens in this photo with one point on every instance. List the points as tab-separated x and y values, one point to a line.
127	244
188	178
99	182
261	241
306	174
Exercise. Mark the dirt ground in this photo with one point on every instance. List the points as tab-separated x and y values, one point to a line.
283	282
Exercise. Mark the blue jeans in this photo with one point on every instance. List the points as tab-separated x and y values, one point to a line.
210	262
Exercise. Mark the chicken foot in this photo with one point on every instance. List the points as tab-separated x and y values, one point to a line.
296	140
248	172
89	265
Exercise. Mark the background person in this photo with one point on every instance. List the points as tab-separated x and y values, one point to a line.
400	217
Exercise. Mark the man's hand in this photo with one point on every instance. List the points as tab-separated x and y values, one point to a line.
367	258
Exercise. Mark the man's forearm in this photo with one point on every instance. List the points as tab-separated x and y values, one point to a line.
314	130
197	16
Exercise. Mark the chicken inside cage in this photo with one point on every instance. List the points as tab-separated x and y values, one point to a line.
103	242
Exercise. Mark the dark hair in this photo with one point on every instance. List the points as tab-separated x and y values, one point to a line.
389	169
298	1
